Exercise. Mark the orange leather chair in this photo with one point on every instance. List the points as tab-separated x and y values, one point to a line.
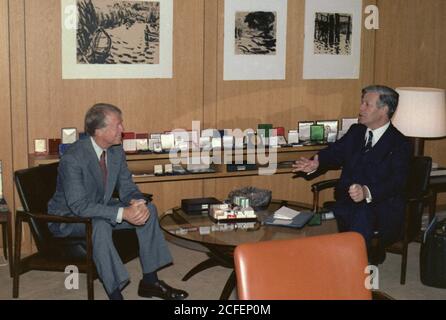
321	267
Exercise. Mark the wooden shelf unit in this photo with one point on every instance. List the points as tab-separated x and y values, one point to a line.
143	164
169	190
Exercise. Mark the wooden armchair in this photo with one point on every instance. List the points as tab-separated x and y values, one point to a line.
5	221
418	196
35	187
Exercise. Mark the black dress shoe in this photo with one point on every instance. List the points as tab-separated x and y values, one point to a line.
161	290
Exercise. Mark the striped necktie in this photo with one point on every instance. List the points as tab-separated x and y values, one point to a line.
368	145
103	166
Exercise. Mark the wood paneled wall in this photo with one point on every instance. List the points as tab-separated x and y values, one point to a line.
5	103
410	52
36	102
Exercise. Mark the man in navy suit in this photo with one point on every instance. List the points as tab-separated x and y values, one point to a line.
89	172
375	158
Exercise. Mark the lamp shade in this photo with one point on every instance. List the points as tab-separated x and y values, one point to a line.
421	112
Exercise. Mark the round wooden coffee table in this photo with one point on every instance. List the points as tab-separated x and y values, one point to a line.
220	239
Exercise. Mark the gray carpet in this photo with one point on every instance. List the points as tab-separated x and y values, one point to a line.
206	285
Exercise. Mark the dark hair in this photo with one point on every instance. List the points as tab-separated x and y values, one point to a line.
387	97
95	117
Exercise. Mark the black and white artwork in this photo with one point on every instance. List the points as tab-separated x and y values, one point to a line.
115	32
117	39
255	39
255	32
332	33
332	45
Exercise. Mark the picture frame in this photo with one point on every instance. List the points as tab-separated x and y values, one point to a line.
330	129
69	135
332	42
293	136
108	39
167	141
40	146
142	141
255	40
129	142
304	130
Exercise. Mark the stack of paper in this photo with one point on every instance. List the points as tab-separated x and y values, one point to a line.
287	217
285	213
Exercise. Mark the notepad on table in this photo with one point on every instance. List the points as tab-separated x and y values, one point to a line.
287	217
285	213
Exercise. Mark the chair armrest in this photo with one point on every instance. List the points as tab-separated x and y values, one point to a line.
422	198
52	218
147	196
325	184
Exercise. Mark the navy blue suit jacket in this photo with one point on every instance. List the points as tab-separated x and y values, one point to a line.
383	170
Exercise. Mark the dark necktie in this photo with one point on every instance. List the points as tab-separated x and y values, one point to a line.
103	166
368	145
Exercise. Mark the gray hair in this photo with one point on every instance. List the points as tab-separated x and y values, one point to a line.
95	116
387	97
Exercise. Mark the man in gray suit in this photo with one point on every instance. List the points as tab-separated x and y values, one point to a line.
88	173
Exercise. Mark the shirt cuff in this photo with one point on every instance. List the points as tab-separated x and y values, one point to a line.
120	214
368	196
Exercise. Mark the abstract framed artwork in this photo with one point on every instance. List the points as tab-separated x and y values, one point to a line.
115	39
255	40
332	46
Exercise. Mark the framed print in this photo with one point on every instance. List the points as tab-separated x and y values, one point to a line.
40	146
332	45
129	142
293	137
142	141
304	130
158	169
255	40
330	129
69	135
168	168
116	39
167	141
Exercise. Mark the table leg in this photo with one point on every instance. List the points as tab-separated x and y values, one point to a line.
206	264
11	256
229	287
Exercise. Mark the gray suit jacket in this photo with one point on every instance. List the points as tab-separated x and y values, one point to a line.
80	191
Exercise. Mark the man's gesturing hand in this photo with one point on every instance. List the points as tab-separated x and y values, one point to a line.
306	165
